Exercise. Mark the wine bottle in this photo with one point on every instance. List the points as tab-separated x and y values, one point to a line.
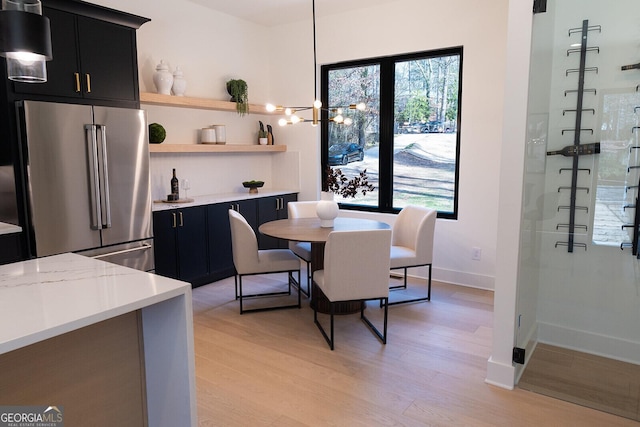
577	150
630	67
175	187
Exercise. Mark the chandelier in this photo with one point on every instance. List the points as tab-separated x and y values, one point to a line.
336	113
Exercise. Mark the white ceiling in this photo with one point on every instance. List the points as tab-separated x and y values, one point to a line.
276	12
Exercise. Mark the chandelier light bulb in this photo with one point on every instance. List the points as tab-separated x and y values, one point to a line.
339	111
317	104
338	118
295	119
288	111
270	108
283	122
348	121
361	106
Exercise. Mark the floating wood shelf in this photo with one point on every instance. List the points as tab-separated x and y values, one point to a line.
215	148
191	102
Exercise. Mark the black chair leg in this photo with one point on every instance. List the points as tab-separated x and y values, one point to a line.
309	279
240	294
384	302
429	285
331	312
290	279
328	339
427	298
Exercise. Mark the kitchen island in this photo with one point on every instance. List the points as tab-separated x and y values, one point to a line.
105	342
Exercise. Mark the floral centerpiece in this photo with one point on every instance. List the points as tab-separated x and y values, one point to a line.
336	182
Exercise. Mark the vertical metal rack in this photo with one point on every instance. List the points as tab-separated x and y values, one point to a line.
635	226
577	130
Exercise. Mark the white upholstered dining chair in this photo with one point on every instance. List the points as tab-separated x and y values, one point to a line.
248	260
303	249
412	244
356	268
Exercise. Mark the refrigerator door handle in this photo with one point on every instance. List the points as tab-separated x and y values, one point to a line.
144	247
104	179
94	177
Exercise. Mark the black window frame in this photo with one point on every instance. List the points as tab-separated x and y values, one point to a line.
387	115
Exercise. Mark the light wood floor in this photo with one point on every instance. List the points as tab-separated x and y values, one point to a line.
275	369
597	382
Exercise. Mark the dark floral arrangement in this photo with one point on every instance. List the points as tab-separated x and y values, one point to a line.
336	182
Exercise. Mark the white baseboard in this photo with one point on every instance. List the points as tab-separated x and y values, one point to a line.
472	280
588	342
499	374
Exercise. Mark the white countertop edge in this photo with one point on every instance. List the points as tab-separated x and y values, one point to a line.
88	320
33	335
6	228
211	199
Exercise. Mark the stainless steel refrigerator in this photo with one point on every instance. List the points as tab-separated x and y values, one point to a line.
86	172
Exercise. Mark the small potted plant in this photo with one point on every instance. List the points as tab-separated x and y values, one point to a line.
263	136
239	92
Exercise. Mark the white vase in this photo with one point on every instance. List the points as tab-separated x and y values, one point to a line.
179	83
263	141
163	79
327	209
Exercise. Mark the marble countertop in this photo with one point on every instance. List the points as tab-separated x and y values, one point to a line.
50	296
9	228
219	198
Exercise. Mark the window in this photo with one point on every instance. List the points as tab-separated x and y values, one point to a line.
407	138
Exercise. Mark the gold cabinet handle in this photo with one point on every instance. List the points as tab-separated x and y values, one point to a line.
181	221
88	83
174	219
77	75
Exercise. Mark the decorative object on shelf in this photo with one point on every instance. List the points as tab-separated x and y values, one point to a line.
262	135
157	133
162	78
208	136
327	209
239	92
253	186
337	112
179	83
270	138
221	134
335	181
25	41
